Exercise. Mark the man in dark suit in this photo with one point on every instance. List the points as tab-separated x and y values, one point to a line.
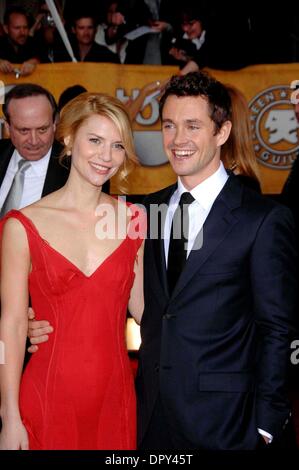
215	329
30	113
216	325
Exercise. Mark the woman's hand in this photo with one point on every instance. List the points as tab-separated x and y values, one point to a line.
14	436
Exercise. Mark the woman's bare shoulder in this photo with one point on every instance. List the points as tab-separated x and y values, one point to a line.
45	204
13	234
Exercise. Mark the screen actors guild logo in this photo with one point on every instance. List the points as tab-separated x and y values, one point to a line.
274	127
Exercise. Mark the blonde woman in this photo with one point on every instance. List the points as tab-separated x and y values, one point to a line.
78	392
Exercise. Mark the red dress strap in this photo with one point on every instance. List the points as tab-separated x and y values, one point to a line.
33	236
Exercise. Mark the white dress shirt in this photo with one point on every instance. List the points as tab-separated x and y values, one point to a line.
33	182
205	195
198	42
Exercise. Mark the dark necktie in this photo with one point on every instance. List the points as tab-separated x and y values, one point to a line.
15	193
178	243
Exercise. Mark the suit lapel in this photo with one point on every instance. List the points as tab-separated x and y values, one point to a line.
217	226
56	173
6	151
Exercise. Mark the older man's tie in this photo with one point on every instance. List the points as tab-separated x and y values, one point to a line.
15	193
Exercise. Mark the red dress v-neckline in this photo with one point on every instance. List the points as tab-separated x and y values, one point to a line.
67	260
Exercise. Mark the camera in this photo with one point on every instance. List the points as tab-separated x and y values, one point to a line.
47	19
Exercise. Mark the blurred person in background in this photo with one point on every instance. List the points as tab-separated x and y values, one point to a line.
83	41
18	51
237	153
30	113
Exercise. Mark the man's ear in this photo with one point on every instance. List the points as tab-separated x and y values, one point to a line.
223	133
5	28
6	127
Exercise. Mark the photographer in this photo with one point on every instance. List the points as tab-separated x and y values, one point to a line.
51	47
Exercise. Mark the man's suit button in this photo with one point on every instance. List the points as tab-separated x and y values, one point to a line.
286	422
168	316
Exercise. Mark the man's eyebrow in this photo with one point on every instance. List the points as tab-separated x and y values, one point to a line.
44	126
193	121
22	128
187	121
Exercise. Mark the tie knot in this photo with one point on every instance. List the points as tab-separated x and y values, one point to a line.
186	199
23	165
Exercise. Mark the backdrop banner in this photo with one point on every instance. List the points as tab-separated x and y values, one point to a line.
266	87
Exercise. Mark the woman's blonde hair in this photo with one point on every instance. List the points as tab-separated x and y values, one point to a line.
75	113
238	153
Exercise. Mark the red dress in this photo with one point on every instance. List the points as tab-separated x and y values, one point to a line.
77	391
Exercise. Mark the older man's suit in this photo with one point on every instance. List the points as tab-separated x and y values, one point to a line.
216	350
56	174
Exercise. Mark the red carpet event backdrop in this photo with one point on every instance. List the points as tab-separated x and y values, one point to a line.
267	88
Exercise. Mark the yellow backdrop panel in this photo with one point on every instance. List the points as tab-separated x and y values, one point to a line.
267	88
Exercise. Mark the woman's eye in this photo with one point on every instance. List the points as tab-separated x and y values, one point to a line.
119	146
94	140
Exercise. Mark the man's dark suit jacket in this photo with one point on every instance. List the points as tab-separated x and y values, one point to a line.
56	174
217	349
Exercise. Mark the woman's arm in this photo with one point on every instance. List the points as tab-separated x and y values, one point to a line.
15	267
136	302
135	106
191	66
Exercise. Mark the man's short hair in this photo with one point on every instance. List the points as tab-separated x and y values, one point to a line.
83	14
204	85
69	93
26	90
190	13
14	10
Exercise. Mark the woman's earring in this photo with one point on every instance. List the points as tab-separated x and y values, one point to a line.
69	153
